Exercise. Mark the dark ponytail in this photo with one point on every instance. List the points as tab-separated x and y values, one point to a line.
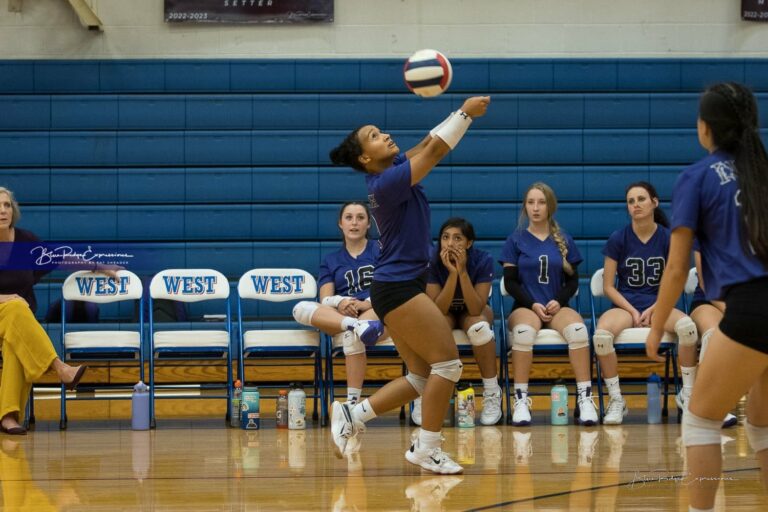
659	217
348	152
730	111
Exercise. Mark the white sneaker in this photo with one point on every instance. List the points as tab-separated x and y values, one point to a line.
491	407
682	399
587	444
585	404
617	409
434	460
416	412
730	421
342	428
523	447
521	417
428	494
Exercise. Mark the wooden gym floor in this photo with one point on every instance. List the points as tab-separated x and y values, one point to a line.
199	464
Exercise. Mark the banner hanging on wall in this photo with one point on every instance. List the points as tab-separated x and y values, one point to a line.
249	11
754	10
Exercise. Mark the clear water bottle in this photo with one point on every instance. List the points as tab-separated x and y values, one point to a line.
234	409
297	400
654	399
559	404
465	405
281	411
140	407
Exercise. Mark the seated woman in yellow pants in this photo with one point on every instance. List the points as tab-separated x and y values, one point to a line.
27	351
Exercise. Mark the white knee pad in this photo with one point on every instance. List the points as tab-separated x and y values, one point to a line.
480	333
700	431
686	332
523	337
603	341
450	370
351	344
576	335
303	311
758	437
417	382
705	342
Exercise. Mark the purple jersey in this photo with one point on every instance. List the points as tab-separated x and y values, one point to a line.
351	277
638	265
479	270
401	213
539	263
706	200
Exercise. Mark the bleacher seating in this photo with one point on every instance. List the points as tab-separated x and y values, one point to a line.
223	163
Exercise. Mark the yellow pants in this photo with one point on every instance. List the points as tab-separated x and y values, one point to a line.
27	355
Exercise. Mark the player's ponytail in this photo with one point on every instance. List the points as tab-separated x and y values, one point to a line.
730	112
562	245
348	152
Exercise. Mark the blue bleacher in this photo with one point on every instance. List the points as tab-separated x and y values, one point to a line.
224	163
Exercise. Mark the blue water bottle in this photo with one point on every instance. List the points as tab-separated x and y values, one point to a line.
559	403
654	398
140	407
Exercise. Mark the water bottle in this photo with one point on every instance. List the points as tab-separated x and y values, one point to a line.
234	408
140	407
281	410
465	405
654	398
297	408
559	404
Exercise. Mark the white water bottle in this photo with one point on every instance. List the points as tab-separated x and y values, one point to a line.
297	408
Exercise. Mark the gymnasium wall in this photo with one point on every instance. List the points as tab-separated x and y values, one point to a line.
394	28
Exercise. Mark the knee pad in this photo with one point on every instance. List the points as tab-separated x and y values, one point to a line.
603	341
417	382
576	335
351	343
303	311
699	431
705	342
687	334
450	370
480	333
758	437
523	337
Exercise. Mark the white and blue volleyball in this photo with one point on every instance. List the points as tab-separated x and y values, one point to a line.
428	73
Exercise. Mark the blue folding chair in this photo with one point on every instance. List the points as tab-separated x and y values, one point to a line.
98	344
198	340
632	341
281	285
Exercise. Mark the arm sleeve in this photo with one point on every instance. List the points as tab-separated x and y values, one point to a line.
570	285
515	289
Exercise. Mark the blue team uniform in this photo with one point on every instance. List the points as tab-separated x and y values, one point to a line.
479	270
402	216
705	200
639	265
351	277
539	263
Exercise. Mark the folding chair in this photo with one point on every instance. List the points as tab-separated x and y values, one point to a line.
100	345
632	340
548	342
201	341
281	285
690	287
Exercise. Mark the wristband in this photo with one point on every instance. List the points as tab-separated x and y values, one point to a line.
453	130
433	131
333	301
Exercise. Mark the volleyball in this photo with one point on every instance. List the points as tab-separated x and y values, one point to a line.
427	73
